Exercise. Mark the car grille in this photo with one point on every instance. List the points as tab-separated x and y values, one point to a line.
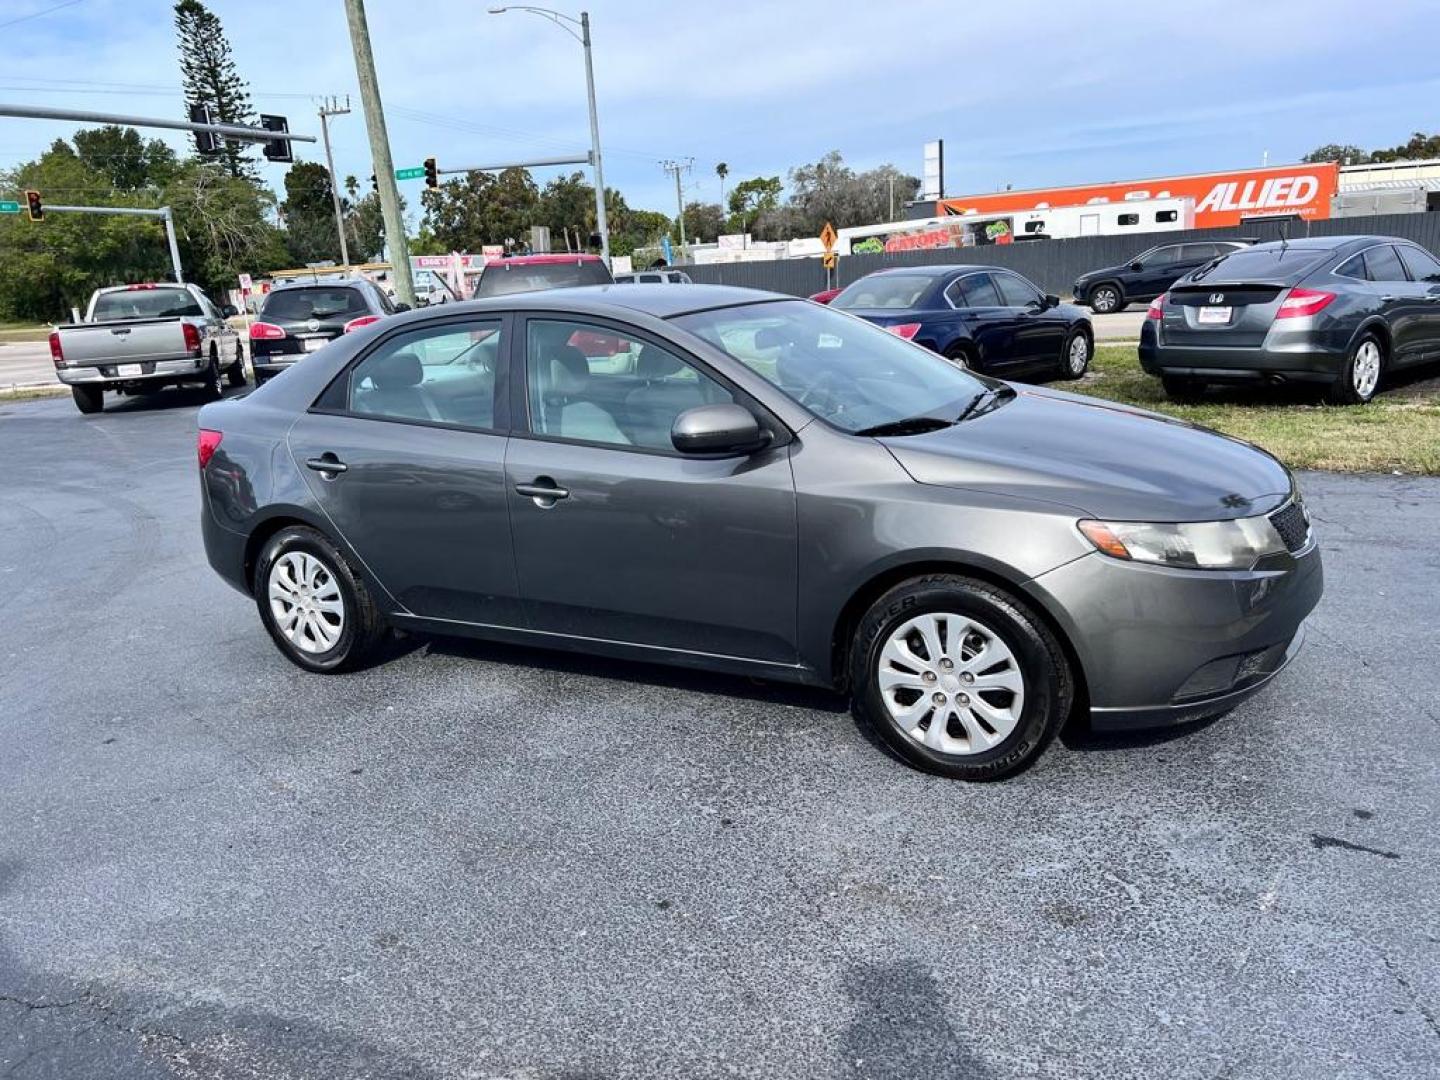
1293	524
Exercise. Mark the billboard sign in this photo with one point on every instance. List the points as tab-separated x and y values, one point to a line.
1221	199
933	184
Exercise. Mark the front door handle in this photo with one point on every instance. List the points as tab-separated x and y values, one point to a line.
544	491
326	463
1388	299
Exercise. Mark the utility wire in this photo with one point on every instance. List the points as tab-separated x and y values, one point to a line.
37	14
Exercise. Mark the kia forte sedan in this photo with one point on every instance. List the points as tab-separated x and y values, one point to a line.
737	481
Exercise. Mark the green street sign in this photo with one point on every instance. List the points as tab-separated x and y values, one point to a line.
410	174
14	207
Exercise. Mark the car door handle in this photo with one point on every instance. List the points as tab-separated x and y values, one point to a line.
543	489
326	463
1388	299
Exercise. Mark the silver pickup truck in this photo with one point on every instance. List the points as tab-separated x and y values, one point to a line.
138	338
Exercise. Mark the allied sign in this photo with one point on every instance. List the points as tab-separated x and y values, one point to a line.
9	207
410	174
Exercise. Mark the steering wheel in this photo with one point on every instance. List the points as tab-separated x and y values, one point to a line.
824	387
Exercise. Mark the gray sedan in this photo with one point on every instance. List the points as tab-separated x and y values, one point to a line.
737	481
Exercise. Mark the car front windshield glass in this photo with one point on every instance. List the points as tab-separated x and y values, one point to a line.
884	291
842	369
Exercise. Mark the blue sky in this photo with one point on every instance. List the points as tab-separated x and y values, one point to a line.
1027	94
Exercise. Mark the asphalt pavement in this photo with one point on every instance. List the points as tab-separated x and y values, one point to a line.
477	861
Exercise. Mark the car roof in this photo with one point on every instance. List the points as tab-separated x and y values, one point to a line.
1324	243
934	270
323	283
542	260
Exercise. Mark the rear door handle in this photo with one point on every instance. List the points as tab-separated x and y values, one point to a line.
1388	299
326	463
544	491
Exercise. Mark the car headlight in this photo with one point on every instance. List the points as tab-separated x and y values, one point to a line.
1199	545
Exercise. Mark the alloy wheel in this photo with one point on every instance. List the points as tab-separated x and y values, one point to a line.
1079	354
951	683
305	602
1365	371
1105	300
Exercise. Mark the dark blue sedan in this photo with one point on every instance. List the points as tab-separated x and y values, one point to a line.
994	320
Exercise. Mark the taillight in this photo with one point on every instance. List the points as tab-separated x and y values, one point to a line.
906	330
56	353
206	445
1156	310
1303	302
192	337
363	320
264	331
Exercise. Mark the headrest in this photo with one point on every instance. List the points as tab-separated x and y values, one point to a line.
396	371
569	370
769	337
653	363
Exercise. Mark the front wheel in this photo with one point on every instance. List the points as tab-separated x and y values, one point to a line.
316	609
959	678
1360	377
1105	298
1075	361
88	399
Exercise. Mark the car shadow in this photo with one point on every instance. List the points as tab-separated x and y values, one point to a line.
162	400
1079	735
1422	378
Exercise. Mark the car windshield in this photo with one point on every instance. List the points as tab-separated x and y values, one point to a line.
313	302
143	303
884	291
502	278
842	369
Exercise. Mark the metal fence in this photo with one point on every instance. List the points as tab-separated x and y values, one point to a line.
1052	264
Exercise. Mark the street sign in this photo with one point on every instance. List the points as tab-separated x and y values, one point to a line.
828	236
410	174
245	282
829	259
9	207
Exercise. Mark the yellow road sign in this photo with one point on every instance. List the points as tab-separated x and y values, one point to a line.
829	259
828	237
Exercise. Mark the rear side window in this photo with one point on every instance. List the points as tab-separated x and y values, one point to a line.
1421	264
145	304
505	278
441	375
319	302
1198	252
1162	256
1382	264
975	290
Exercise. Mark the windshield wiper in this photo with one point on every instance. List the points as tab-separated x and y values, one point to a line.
984	396
911	425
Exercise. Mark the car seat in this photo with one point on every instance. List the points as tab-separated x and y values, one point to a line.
395	389
651	408
564	376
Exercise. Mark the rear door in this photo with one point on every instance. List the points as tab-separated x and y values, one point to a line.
405	454
1404	303
639	544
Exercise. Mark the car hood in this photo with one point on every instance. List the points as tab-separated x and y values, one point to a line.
1104	460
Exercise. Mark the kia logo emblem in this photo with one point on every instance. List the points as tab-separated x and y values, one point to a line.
1217	298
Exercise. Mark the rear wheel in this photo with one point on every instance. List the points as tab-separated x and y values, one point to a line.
1360	377
1179	388
1106	298
316	609
214	384
1075	360
959	354
958	677
88	399
235	374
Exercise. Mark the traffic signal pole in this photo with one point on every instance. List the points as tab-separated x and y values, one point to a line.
230	131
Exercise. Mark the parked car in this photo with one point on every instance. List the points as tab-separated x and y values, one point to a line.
824	296
1345	311
1148	274
653	277
760	485
991	319
136	339
531	273
299	318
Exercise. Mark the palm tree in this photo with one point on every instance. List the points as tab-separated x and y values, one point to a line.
722	170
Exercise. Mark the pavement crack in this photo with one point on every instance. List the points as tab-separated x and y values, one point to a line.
1424	1010
1320	842
105	1016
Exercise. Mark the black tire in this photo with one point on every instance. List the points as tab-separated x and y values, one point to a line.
1184	390
214	381
1106	298
1048	683
362	627
1071	367
1350	388
960	354
235	373
88	399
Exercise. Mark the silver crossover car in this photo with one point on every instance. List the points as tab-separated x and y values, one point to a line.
733	480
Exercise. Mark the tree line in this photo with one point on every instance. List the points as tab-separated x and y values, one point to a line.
1419	148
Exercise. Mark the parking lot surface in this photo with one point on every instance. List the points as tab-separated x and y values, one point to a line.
477	861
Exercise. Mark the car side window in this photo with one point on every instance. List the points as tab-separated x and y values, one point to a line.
977	290
1382	264
1198	252
1421	264
441	374
1353	267
588	383
1016	293
1164	256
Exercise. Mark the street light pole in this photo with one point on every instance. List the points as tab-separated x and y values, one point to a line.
602	225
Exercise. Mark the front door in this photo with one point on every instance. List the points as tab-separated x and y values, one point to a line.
1039	331
416	476
620	538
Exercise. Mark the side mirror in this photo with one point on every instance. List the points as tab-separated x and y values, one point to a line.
1137	265
1051	301
718	429
228	311
402	306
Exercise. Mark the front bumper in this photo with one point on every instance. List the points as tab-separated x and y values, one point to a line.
190	367
1299	355
1161	646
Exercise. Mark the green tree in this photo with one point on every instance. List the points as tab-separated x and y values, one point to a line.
124	158
703	221
208	70
223	225
568	203
1343	153
477	209
365	224
309	215
1421	147
751	198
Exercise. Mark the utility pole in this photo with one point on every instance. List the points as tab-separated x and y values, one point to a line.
380	151
600	223
677	167
331	107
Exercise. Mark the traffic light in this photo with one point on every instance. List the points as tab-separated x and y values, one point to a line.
206	142
276	149
374	184
432	173
35	207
